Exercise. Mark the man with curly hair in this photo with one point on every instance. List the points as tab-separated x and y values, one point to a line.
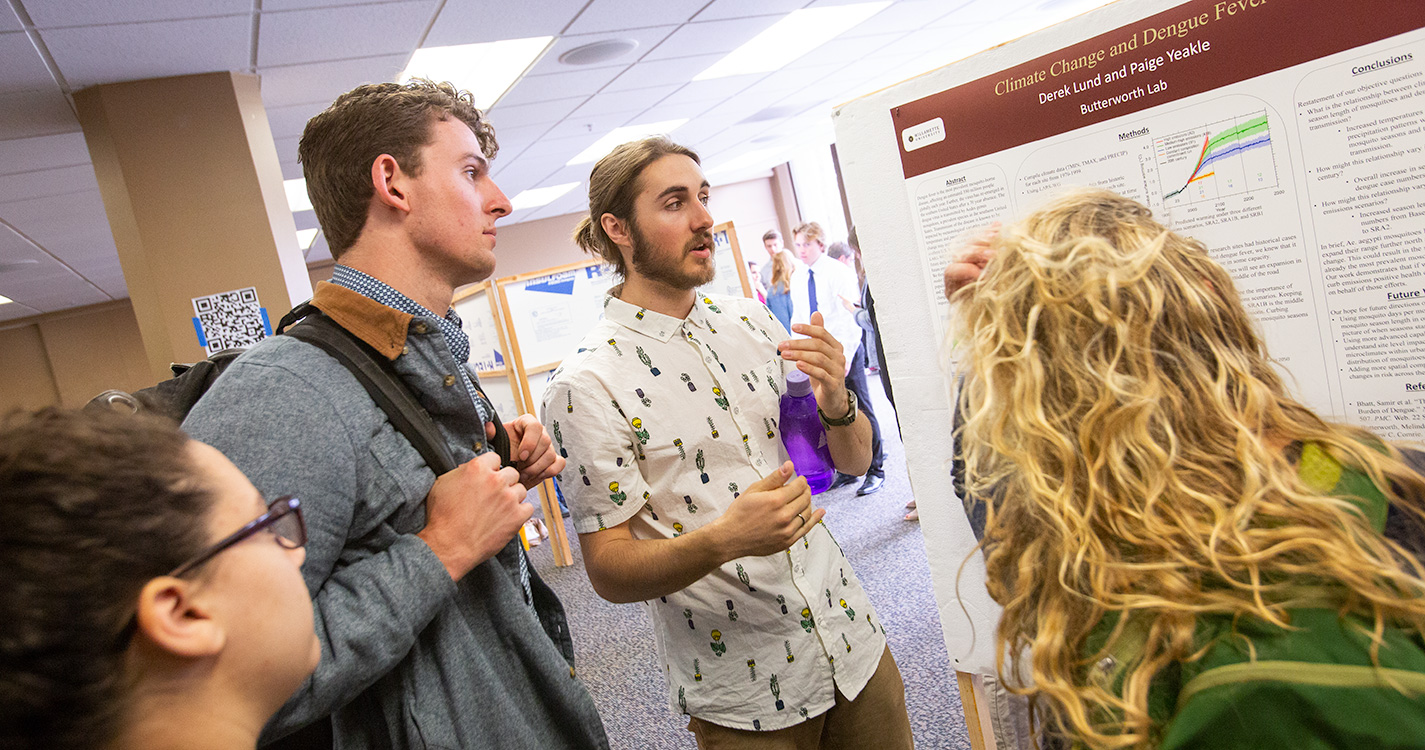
435	631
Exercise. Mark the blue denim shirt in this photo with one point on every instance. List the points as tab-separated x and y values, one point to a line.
410	658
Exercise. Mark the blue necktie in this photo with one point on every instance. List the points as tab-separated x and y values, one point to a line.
811	289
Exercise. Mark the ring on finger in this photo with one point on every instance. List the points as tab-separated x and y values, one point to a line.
804	520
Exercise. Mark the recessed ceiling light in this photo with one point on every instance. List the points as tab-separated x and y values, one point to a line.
5	300
594	53
784	41
297	198
536	197
619	136
305	237
486	70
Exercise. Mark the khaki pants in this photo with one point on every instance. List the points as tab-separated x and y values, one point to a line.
876	719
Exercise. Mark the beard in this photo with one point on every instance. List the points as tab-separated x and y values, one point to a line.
670	269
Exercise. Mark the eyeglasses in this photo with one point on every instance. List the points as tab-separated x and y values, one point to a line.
283	518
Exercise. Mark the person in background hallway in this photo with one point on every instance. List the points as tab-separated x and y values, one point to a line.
772	243
681	490
779	287
755	277
152	598
436	632
866	318
832	286
1193	558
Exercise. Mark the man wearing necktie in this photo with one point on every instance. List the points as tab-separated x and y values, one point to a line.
819	284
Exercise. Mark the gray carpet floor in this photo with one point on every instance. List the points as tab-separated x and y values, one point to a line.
616	657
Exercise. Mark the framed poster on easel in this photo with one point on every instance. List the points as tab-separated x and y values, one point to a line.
731	278
480	319
545	315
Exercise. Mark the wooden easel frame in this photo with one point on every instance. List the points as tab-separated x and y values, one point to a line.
558	532
737	255
519	386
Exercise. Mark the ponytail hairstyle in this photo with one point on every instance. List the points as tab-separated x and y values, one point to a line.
613	185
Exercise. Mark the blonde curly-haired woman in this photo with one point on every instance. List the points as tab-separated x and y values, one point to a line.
1187	556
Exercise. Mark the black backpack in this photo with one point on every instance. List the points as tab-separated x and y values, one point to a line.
176	396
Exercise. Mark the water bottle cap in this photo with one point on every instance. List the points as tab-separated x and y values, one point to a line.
798	383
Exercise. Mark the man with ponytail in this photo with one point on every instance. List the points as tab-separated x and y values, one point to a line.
680	488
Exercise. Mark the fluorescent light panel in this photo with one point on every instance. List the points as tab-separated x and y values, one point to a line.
5	300
305	237
619	136
486	70
297	198
536	197
784	41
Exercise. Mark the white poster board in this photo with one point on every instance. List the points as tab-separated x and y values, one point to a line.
731	279
1284	135
549	312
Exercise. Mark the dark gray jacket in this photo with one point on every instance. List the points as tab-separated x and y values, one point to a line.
410	659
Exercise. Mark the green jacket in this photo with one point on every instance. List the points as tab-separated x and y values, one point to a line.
1309	688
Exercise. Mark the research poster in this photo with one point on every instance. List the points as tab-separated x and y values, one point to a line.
1284	134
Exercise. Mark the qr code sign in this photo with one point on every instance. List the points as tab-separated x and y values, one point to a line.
230	320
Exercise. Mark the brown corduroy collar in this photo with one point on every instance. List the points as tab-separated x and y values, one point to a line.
384	328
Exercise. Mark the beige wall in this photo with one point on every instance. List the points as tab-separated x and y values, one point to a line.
67	358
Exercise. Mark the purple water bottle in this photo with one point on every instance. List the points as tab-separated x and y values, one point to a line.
803	434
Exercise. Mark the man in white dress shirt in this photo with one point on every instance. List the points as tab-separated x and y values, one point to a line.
826	285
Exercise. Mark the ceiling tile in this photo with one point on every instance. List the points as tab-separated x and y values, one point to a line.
106	54
64	225
110	281
287	148
28	114
660	72
47	182
982	11
678	111
291	170
51	13
324	82
45	152
8	20
712	37
715	89
279	5
543	88
719	9
470	21
842	50
533	114
907	15
24	69
577	126
606	15
647	39
302	36
287	122
630	102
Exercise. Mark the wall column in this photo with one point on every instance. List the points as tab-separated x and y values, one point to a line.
193	191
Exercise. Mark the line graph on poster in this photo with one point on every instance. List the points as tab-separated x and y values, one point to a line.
1224	157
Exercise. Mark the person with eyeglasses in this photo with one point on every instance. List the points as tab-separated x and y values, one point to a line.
152	598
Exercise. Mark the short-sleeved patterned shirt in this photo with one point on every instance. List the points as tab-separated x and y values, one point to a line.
663	422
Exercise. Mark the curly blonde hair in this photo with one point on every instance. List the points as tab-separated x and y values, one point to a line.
1127	424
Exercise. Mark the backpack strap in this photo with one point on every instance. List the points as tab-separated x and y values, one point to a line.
378	377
